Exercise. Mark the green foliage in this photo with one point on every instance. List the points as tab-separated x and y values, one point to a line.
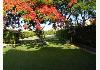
22	12
10	36
50	32
26	34
86	35
85	8
86	4
4	13
47	2
63	35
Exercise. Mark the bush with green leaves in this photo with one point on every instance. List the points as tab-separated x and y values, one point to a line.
86	35
26	34
63	35
10	36
50	32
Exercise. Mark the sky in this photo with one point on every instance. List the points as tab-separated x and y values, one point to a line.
47	26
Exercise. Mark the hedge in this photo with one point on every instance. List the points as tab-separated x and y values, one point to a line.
63	35
86	35
26	34
50	32
10	36
80	35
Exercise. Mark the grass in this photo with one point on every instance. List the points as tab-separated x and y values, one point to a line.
54	56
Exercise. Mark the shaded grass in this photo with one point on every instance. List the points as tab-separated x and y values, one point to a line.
54	56
48	58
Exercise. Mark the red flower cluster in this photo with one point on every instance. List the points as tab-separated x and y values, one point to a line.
70	4
25	5
20	6
8	4
50	11
31	16
38	27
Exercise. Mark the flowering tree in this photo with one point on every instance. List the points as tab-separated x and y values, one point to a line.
35	11
48	9
38	11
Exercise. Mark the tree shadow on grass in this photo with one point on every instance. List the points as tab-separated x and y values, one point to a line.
36	43
56	41
49	58
33	43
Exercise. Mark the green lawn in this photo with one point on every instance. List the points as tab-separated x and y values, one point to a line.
55	56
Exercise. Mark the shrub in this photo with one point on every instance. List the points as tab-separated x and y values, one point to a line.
86	35
26	34
63	35
49	32
10	36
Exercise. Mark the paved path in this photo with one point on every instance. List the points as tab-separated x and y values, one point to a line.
35	37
